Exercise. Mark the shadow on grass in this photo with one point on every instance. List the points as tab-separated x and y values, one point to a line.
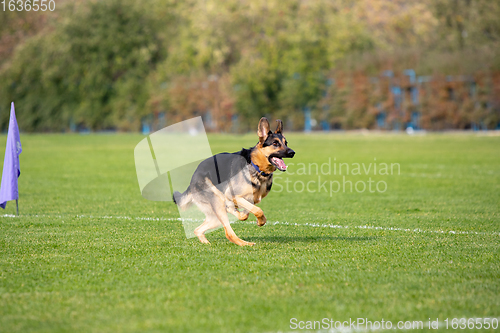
308	239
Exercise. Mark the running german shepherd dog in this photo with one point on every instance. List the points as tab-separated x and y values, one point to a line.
235	182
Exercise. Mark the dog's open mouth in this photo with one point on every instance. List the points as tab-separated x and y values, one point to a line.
278	163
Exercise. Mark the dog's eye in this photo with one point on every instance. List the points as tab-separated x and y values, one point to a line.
276	144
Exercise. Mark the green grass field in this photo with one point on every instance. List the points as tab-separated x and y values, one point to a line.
83	257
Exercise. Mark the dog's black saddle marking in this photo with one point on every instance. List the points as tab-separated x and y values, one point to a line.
219	169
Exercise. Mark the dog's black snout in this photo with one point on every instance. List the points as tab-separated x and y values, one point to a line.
290	152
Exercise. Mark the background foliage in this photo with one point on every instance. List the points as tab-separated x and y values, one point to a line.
113	64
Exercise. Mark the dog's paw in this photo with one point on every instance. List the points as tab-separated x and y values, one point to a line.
241	242
243	216
202	238
261	221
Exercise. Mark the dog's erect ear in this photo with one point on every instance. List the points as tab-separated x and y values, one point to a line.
279	128
263	129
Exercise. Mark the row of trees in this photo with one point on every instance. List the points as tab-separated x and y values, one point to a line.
111	64
391	101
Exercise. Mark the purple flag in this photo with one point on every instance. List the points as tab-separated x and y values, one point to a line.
11	168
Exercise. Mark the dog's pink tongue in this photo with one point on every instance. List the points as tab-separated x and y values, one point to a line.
279	163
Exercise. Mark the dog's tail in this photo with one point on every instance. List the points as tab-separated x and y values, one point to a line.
183	200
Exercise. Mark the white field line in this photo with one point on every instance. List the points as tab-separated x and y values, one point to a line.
313	225
416	230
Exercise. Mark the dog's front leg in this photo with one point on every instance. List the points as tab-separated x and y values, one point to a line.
232	207
259	214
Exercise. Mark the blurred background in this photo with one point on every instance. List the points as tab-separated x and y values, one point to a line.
318	65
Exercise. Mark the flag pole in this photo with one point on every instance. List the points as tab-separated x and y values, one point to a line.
9	187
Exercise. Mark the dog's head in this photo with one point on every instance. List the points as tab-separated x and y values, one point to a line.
272	146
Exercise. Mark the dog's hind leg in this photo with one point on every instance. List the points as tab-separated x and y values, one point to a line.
230	234
211	222
214	205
